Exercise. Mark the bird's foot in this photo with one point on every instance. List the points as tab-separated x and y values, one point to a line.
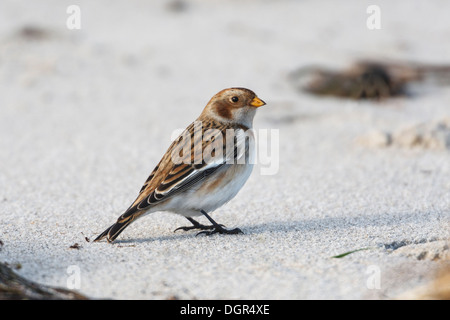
195	225
217	228
220	229
199	226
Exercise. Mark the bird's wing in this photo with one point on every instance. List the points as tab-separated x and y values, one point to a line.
207	151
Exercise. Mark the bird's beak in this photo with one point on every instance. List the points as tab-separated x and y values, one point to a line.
257	102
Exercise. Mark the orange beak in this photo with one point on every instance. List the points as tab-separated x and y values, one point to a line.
257	102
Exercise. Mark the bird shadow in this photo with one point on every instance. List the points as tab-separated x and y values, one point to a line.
336	223
167	237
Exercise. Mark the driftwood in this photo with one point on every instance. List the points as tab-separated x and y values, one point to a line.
367	79
15	287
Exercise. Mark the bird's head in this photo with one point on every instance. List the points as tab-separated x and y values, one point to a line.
233	105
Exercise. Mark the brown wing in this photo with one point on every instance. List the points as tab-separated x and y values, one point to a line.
171	177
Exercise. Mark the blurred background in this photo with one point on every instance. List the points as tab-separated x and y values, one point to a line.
134	70
86	113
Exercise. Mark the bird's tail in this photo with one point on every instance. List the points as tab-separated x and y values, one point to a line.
113	232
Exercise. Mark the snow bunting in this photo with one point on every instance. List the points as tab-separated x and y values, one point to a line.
204	167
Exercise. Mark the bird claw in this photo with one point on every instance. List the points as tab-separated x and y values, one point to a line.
184	228
220	229
208	230
199	226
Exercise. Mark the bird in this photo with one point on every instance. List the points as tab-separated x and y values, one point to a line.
203	169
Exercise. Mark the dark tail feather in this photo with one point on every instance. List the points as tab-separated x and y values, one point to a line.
113	232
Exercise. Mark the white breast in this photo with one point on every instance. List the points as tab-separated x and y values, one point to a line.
215	190
211	193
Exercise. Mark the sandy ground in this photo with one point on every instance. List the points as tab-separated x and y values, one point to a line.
86	114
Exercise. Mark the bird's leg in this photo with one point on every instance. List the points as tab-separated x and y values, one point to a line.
217	228
195	225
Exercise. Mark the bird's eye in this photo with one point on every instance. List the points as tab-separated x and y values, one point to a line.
235	99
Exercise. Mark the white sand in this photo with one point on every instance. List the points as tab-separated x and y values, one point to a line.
86	114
